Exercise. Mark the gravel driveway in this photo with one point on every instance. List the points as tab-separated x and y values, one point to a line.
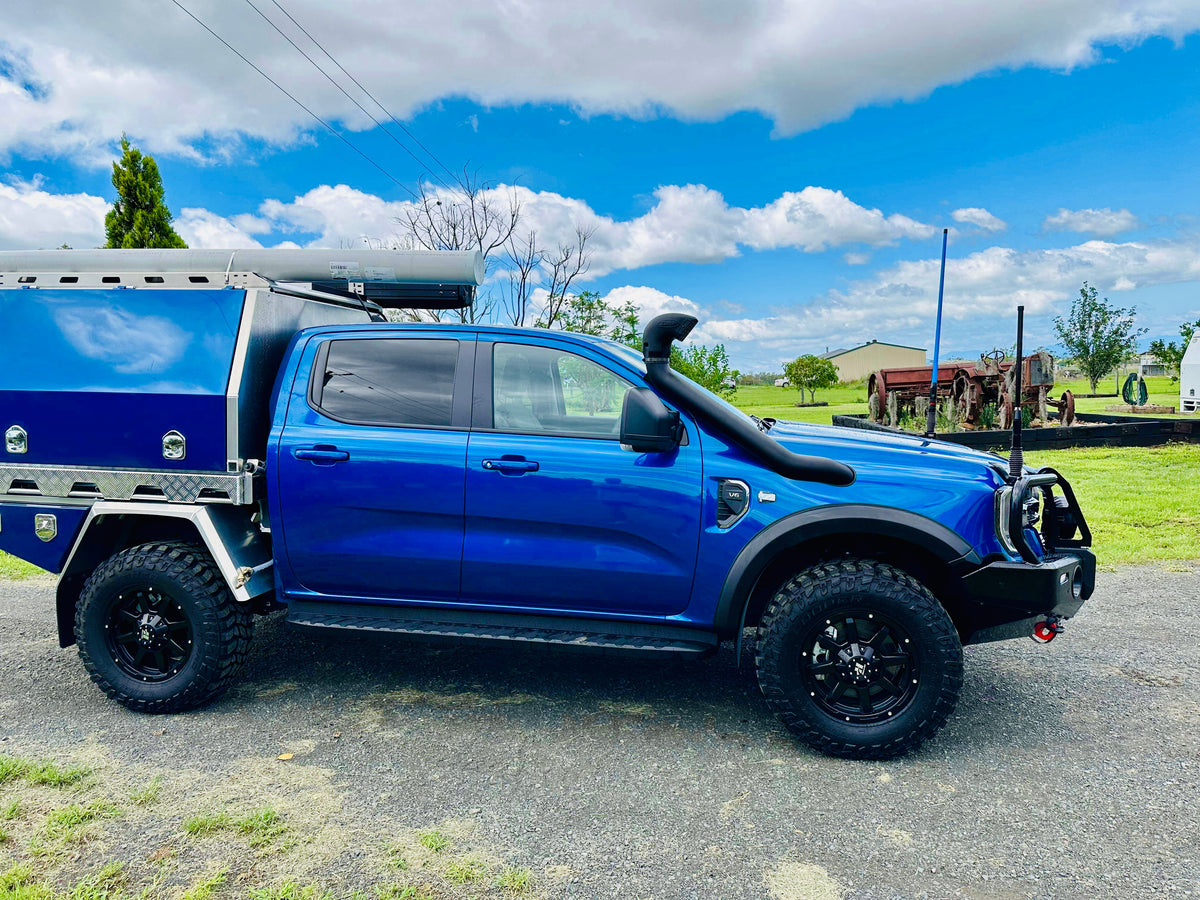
1069	770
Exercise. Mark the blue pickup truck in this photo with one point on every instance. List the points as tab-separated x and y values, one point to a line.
196	437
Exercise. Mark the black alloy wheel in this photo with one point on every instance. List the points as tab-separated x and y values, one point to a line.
148	634
858	666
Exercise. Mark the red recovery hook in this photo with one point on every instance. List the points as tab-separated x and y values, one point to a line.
1047	630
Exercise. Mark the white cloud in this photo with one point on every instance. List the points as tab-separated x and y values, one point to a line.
33	219
650	301
1101	222
202	229
982	292
857	259
687	223
980	218
77	74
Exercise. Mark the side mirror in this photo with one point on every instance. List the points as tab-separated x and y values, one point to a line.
647	426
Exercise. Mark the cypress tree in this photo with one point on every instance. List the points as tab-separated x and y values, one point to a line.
139	217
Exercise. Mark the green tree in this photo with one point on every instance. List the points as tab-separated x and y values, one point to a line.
139	217
707	366
758	378
588	313
1098	335
811	373
1170	355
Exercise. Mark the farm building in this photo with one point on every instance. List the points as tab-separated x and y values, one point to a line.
859	362
1149	364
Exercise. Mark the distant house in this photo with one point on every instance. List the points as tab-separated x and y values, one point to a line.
1148	365
859	362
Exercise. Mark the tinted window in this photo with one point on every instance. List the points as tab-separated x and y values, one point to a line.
390	382
539	389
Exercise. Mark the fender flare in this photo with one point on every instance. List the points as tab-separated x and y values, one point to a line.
799	528
235	543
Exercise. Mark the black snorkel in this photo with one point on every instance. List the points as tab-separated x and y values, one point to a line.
656	352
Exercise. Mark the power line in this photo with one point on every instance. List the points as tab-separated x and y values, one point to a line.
345	140
420	162
360	86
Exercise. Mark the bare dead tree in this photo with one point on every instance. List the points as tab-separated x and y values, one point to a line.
471	217
524	259
564	266
476	216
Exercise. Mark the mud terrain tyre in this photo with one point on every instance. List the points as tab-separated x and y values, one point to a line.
858	659
158	629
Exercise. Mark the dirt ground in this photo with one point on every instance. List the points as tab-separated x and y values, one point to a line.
1068	771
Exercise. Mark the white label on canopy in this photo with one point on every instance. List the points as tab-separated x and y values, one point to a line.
344	269
379	273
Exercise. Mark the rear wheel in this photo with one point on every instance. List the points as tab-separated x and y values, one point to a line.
158	629
858	659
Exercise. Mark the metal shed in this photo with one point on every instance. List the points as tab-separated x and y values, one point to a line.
859	362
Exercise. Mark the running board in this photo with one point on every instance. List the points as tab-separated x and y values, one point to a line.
472	625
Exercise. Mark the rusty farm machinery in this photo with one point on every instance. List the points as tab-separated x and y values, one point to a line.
965	392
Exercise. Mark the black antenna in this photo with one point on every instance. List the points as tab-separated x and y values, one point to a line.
1016	458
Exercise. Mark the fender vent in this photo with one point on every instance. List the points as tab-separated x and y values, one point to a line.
733	499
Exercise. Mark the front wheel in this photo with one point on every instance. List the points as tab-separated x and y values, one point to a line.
858	659
158	629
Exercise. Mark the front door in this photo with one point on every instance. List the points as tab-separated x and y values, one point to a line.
370	468
558	515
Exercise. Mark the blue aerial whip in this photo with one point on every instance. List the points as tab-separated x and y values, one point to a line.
931	420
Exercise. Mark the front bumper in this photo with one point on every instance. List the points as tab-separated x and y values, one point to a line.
1006	599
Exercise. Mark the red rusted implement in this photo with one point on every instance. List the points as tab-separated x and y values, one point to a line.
893	393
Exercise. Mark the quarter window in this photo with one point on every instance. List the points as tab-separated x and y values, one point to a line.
543	390
389	382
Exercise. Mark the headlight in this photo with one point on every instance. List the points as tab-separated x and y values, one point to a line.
1024	495
1003	517
1032	509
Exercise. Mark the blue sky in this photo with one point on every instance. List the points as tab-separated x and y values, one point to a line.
785	175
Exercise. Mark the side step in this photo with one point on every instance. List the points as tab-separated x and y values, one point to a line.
590	634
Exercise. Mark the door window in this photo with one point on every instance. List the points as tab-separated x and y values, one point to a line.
540	390
389	382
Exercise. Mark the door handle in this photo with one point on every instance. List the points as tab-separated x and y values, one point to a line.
321	453
510	466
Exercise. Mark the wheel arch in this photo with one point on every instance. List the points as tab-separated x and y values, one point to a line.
931	552
227	532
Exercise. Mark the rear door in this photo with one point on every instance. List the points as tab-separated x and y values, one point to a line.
370	468
558	515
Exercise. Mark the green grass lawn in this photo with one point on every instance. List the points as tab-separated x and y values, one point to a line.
11	567
1142	503
767	400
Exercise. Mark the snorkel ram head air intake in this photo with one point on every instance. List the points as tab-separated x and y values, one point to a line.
656	352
